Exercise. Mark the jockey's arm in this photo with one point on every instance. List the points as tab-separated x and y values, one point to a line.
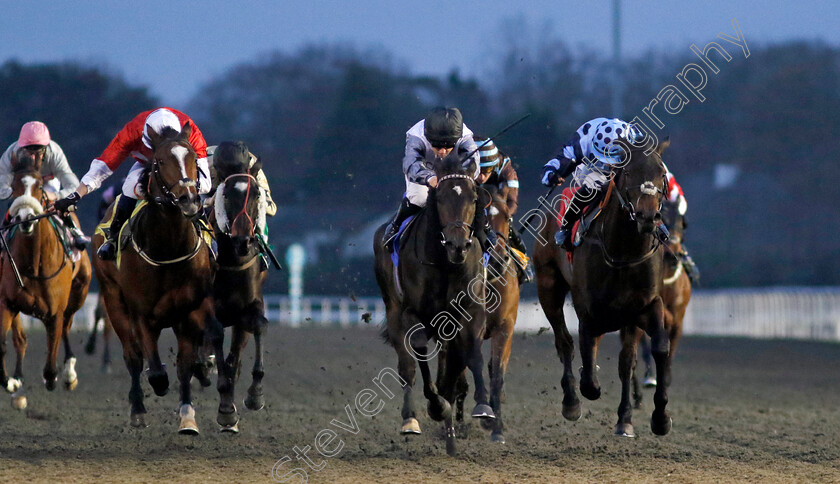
414	162
57	165
262	181
6	173
511	189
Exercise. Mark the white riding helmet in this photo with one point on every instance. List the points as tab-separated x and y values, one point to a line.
158	120
606	133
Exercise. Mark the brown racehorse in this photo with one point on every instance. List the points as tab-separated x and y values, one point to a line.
502	309
616	283
165	278
54	286
676	293
238	289
439	294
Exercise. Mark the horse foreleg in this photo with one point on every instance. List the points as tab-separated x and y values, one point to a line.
189	338
407	368
589	386
552	289
6	318
90	345
55	330
19	341
148	333
107	329
475	361
69	375
255	399
637	389
660	421
226	415
626	363
499	356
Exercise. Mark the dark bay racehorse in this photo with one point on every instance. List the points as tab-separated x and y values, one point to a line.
54	285
165	278
676	293
238	290
616	284
438	295
502	309
100	317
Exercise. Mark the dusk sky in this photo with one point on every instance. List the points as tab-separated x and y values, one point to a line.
175	46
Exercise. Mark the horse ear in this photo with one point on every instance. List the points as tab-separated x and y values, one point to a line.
154	137
186	131
663	145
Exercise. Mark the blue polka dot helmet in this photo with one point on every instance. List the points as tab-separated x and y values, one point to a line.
605	135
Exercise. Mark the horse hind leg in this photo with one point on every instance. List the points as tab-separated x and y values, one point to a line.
499	356
68	374
158	378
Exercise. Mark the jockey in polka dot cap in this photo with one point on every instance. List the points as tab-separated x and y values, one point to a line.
589	155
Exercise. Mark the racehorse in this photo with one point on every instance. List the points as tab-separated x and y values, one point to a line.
503	283
676	293
239	209
164	278
101	315
54	284
615	279
437	293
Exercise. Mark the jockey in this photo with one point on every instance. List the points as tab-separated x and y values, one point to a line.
676	196
590	155
497	170
439	134
238	154
133	140
34	142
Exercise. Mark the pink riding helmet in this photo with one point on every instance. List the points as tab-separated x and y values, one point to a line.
34	133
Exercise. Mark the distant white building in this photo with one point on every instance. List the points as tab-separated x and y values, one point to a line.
359	243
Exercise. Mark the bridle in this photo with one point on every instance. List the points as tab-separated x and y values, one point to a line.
242	213
167	197
458	223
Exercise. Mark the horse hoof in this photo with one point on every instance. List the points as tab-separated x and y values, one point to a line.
49	384
590	391
625	430
13	385
188	424
19	402
571	412
410	426
649	382
439	414
254	402
662	427
159	383
488	423
71	385
497	437
138	420
227	419
230	429
482	410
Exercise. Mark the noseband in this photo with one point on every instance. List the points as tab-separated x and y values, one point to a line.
458	223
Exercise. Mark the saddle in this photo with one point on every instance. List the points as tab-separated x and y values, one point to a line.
130	226
590	213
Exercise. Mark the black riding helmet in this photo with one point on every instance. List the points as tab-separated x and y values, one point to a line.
443	127
231	157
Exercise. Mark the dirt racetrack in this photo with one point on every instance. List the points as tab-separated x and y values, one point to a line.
743	411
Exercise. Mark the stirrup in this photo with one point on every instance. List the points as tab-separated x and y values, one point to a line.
388	236
107	251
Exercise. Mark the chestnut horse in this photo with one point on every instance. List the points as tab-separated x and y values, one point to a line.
165	277
502	309
616	284
238	290
676	293
437	292
54	285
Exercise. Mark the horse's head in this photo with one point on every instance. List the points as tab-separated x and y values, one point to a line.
27	190
172	176
239	202
641	182
454	199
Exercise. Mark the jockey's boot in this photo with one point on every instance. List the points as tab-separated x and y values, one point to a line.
108	249
563	237
526	274
482	230
406	210
689	265
80	240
